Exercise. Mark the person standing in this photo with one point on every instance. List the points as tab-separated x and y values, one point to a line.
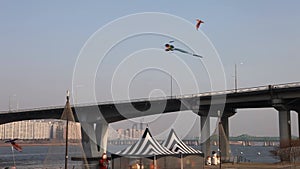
103	162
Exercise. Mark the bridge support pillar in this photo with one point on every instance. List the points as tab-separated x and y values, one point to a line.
205	135
224	139
94	140
298	124
102	136
284	127
298	113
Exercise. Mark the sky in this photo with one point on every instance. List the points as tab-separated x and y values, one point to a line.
41	41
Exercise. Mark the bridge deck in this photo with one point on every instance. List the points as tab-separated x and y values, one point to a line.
255	97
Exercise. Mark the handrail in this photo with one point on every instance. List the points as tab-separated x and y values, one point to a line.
214	93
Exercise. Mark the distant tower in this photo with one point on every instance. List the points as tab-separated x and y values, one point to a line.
141	125
134	130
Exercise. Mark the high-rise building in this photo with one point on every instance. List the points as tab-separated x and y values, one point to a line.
39	130
2	132
125	134
74	131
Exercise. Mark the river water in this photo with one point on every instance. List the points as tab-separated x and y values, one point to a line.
53	156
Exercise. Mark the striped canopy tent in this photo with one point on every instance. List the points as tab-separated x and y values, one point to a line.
148	153
147	146
190	158
176	145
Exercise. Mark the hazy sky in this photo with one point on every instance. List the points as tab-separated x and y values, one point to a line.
40	42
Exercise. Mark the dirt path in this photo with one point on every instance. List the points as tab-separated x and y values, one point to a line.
256	166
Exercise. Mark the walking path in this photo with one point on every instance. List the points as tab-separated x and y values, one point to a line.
256	166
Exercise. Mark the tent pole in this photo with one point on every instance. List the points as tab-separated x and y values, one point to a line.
181	159
12	149
154	162
141	163
112	162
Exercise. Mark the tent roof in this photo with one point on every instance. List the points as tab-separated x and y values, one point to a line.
146	146
176	145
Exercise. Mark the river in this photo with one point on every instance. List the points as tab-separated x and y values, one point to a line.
53	156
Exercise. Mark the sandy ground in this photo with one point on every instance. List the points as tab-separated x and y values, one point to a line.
257	166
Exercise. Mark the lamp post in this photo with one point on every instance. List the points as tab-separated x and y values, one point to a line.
67	131
236	76
171	78
11	103
170	47
76	93
219	127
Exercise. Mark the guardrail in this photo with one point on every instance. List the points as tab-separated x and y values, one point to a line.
215	93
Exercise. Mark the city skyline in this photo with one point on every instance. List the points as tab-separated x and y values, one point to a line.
39	130
55	130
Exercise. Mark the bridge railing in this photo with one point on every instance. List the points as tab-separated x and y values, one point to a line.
241	90
32	109
214	93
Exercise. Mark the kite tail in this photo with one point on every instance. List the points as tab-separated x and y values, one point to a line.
197	55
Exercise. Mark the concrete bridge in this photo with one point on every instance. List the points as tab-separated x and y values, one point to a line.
283	97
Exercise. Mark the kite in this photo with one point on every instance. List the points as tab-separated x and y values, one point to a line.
198	23
172	48
169	47
14	144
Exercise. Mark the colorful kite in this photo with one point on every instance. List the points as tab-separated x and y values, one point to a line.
169	47
198	23
14	144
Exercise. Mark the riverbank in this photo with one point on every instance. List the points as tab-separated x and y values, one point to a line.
39	144
256	166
